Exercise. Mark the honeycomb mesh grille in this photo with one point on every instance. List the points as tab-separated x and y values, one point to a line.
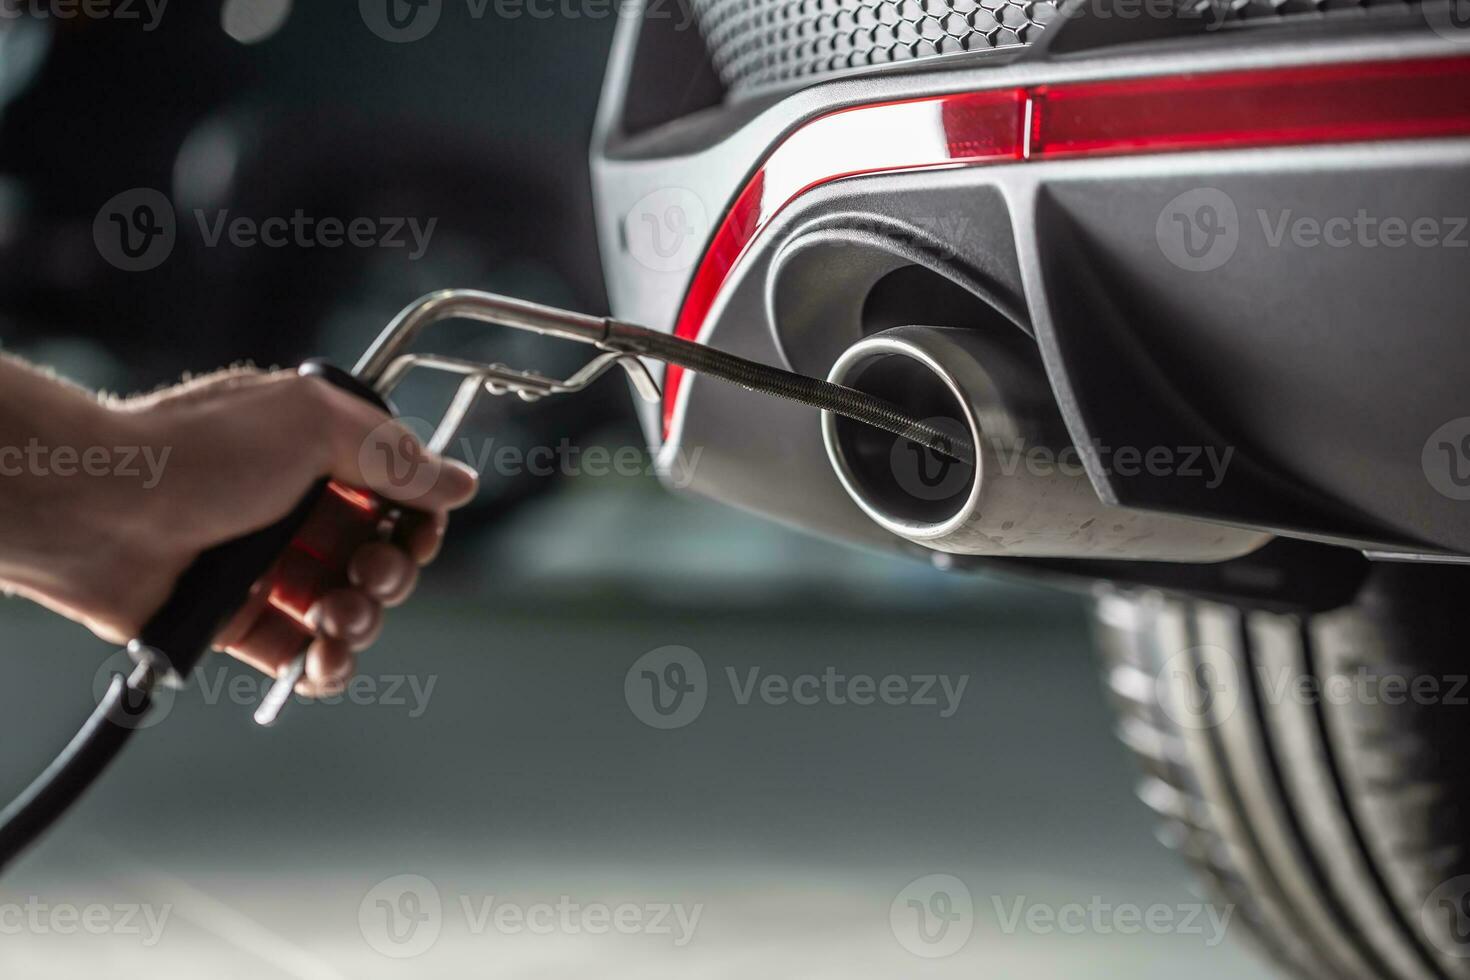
755	43
759	43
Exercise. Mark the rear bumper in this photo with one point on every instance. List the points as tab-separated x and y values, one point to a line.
1311	328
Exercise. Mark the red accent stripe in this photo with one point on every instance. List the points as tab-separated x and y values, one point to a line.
1227	110
1280	106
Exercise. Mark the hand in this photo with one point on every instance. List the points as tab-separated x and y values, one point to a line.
227	455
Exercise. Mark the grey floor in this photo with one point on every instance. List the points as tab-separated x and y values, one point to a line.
521	783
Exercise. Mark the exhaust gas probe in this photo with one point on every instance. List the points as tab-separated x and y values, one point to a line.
217	583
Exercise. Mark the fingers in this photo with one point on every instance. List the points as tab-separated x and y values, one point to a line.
332	598
346	622
369	449
348	616
330	664
383	572
343	623
270	642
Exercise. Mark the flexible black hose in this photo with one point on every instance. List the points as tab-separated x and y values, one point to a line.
813	392
89	752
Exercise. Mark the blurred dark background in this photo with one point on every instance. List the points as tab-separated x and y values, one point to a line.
480	127
516	768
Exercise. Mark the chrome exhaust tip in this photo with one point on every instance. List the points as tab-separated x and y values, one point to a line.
1027	494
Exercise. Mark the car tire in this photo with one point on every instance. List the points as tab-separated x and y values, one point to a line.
1315	768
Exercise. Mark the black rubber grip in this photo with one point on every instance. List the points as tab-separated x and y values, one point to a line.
218	582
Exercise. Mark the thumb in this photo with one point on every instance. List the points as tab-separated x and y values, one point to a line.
373	451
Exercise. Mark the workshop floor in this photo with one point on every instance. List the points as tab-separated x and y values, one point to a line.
546	831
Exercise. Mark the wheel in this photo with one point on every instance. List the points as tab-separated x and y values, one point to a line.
1315	768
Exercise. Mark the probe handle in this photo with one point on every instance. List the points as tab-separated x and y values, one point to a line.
218	582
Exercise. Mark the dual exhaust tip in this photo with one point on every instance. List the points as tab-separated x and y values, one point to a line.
1027	494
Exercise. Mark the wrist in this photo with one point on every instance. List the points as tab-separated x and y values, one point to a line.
75	521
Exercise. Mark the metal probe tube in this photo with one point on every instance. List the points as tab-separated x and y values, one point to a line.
813	392
614	335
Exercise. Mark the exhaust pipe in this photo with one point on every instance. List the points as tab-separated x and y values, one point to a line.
1027	493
